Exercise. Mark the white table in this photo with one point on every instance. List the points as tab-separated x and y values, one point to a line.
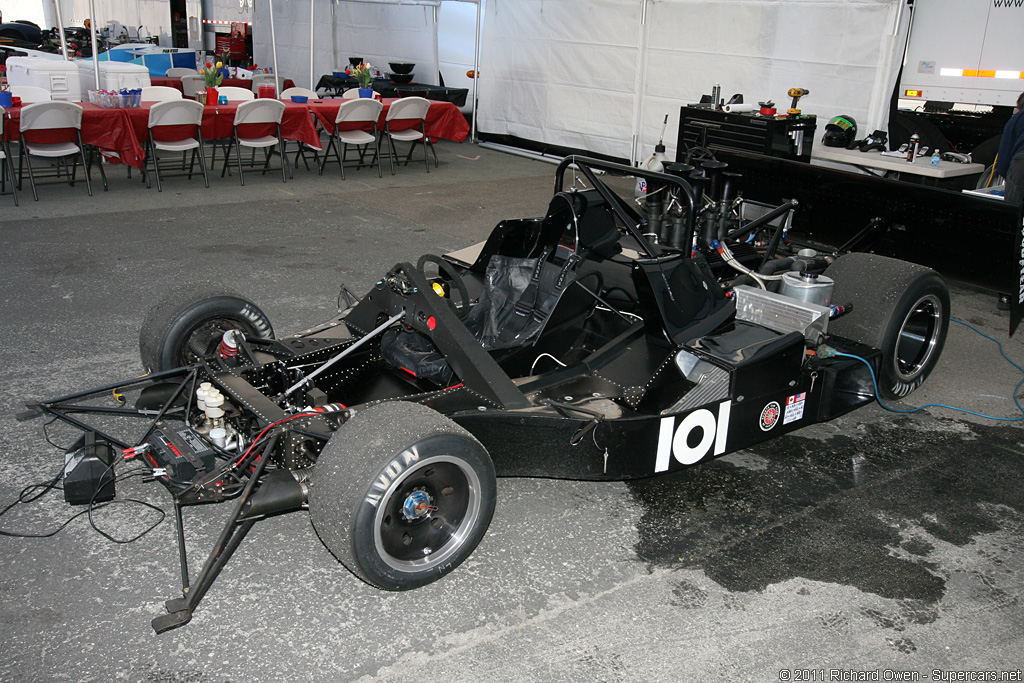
898	165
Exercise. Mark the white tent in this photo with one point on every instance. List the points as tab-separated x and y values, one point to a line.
600	75
379	32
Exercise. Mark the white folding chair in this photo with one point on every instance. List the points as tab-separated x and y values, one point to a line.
190	85
160	93
30	94
174	113
405	122
350	94
262	111
52	116
6	167
179	71
235	94
350	128
287	94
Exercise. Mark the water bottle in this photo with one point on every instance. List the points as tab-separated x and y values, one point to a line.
936	157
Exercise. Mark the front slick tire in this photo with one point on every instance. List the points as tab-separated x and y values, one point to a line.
898	307
401	495
189	322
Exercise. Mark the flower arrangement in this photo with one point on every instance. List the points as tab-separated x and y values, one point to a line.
362	73
211	74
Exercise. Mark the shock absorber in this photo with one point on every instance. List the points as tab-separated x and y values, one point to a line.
228	345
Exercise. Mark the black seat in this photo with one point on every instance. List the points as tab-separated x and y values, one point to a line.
527	267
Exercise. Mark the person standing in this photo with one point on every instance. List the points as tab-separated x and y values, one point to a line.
1010	163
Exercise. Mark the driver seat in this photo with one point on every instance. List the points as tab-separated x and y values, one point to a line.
522	286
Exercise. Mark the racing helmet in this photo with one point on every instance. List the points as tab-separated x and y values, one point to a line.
840	131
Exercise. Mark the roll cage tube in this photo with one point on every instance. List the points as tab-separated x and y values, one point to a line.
587	165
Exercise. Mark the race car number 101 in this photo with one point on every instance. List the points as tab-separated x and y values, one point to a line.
679	441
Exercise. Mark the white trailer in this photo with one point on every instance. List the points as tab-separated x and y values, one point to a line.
965	51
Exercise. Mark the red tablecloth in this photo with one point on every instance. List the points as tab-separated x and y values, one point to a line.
233	82
444	120
108	129
123	131
218	120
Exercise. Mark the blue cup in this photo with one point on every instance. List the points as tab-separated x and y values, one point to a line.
223	99
5	99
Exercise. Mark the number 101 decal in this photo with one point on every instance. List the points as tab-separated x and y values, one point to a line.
676	441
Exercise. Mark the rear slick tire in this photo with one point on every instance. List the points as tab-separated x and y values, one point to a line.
900	308
402	495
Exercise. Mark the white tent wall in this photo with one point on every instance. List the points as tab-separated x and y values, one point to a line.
153	15
560	72
839	50
600	78
377	32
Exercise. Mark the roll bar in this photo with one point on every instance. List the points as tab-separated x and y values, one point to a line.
631	219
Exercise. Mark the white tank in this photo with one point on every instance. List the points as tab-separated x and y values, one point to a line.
113	75
60	78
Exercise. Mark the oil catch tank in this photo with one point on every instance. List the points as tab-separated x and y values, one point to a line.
814	289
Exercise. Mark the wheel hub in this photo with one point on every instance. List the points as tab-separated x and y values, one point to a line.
418	504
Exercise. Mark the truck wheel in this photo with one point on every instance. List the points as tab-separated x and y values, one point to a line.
401	495
190	321
898	307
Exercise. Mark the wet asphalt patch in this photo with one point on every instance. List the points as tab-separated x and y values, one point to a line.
860	509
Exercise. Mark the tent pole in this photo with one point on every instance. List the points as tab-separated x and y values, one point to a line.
92	37
60	29
312	27
273	44
476	68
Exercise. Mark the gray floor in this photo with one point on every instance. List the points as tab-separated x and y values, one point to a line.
876	542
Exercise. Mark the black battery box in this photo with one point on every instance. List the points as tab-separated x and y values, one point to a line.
181	451
88	471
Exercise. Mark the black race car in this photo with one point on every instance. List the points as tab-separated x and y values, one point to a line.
599	341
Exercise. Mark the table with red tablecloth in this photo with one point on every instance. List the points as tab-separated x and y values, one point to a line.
219	119
123	131
107	129
244	83
444	120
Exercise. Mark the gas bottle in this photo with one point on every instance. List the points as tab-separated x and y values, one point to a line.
655	163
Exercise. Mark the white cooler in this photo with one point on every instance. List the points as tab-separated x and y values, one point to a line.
113	75
60	78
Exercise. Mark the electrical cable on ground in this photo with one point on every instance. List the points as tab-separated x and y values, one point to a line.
1016	389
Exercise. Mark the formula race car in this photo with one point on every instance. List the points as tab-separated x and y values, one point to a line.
600	341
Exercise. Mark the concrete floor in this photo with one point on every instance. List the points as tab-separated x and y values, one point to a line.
874	543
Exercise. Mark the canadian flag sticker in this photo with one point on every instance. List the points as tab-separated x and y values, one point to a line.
794	408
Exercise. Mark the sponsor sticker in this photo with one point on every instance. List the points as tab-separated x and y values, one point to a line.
794	408
770	416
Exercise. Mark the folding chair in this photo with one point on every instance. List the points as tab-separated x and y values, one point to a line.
61	121
235	94
350	128
168	123
257	114
192	84
406	122
160	93
6	167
